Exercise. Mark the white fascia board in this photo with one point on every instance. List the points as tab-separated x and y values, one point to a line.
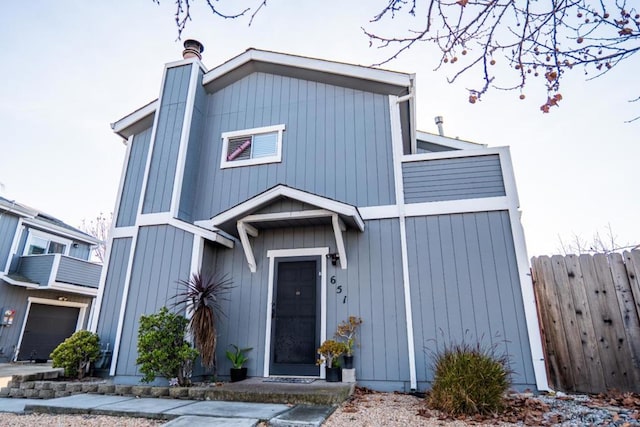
447	141
164	218
487	204
278	216
14	282
135	117
61	231
349	70
292	193
74	289
15	208
379	212
478	151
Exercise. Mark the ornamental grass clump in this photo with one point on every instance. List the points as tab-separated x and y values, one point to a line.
469	380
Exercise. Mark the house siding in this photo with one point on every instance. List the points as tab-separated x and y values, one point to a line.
82	250
78	272
162	257
37	268
113	290
132	186
337	142
465	287
370	288
8	227
452	179
157	196
194	150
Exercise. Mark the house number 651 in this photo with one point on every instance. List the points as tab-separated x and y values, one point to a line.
333	281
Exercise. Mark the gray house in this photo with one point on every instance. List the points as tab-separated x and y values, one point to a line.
307	181
48	286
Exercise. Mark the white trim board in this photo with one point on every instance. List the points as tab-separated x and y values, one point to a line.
397	149
480	151
292	253
447	141
280	190
349	70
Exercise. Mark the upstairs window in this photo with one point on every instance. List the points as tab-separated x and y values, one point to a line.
252	146
39	243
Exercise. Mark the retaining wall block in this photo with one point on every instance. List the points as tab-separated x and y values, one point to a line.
74	387
106	388
141	390
122	389
27	385
159	391
89	388
179	392
196	393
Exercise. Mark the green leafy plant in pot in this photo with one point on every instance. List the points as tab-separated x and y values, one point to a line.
238	358
329	352
347	331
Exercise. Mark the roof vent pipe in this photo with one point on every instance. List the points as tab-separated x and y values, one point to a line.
439	120
192	49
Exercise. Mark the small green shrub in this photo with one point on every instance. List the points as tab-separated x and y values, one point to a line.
469	379
76	353
162	349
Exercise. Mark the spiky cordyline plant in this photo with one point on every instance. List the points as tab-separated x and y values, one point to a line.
203	295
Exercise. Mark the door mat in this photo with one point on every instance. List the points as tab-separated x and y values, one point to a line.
289	380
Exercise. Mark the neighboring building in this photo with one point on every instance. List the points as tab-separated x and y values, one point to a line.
307	182
47	283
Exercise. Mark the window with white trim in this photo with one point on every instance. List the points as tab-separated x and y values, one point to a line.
39	243
252	146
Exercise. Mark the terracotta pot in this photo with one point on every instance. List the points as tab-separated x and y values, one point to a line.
238	374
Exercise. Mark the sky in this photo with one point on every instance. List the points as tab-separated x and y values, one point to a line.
70	68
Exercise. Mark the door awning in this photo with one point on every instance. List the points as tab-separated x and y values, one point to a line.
284	207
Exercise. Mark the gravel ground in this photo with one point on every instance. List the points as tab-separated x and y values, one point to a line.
33	420
368	408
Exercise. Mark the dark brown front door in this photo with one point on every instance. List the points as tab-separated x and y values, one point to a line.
295	326
47	326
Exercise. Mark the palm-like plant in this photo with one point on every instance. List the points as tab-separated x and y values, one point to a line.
203	295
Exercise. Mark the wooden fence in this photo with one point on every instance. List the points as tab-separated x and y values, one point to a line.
589	309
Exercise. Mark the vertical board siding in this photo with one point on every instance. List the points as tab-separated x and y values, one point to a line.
465	287
16	297
132	186
370	288
36	268
80	250
452	179
157	196
337	142
162	257
113	290
194	148
78	272
8	227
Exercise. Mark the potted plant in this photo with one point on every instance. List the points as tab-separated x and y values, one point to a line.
329	352
347	331
238	359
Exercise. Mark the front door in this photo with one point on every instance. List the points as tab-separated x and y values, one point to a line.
295	326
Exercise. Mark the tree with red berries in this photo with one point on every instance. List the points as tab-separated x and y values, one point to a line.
501	44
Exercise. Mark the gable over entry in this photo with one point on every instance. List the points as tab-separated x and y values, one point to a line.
297	208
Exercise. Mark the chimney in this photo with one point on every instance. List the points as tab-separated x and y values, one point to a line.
439	120
192	48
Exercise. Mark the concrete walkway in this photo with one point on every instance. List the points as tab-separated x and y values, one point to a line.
190	413
7	370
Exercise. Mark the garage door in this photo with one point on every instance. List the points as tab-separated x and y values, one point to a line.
47	326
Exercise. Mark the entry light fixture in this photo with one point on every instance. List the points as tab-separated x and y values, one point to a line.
334	257
61	298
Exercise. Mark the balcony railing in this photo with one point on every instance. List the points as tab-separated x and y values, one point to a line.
56	271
